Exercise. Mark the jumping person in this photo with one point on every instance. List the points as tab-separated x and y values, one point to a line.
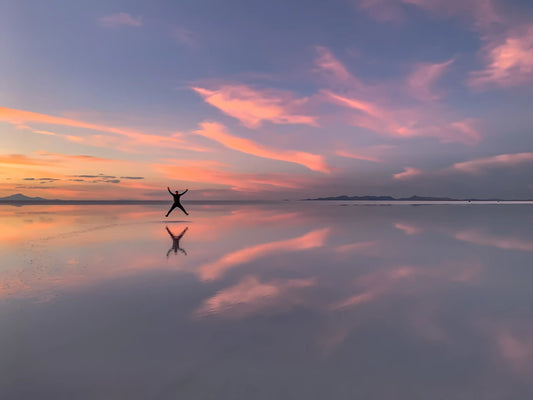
177	201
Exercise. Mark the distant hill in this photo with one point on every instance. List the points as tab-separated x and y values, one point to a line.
21	197
22	200
390	198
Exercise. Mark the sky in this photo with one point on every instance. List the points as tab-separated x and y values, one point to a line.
266	100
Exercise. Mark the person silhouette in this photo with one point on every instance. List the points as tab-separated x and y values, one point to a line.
176	241
177	203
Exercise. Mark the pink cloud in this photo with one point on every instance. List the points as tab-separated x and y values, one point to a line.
23	160
372	109
349	154
214	173
509	60
365	107
215	270
408	173
370	115
74	157
359	247
135	138
375	153
406	123
480	165
501	242
409	229
464	130
217	132
120	19
326	62
376	285
423	78
251	296
516	347
252	107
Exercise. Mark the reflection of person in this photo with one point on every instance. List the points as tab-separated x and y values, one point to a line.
177	203
176	241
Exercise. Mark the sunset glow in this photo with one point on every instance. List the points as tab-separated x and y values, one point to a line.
237	101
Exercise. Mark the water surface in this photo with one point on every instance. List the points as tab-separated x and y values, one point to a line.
275	301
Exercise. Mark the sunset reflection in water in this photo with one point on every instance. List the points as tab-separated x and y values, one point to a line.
292	300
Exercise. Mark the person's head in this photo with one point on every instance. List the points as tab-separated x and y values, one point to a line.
177	192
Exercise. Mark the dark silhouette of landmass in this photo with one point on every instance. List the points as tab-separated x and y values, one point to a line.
412	198
21	197
21	200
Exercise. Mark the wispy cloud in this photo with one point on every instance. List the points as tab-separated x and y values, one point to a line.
251	296
21	159
480	165
366	107
135	138
408	228
373	109
327	63
216	269
252	106
489	239
75	157
515	345
375	153
358	247
423	78
408	173
476	167
383	283
217	132
101	176
356	156
405	123
509	60
215	173
120	19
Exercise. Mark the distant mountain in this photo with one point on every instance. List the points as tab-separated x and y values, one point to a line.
390	198
362	198
21	197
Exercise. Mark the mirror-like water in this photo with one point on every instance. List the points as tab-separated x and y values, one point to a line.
277	301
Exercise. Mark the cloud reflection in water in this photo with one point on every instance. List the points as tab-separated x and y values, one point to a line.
268	296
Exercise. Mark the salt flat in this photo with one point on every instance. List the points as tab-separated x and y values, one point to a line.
260	301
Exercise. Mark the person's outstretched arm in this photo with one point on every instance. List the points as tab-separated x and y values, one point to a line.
182	233
169	190
186	190
170	233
